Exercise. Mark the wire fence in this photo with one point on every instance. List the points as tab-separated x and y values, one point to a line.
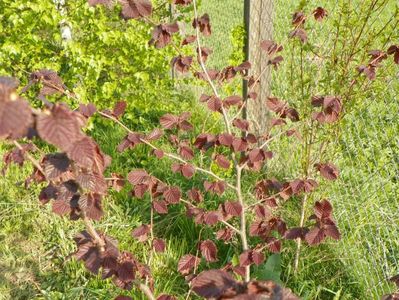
366	197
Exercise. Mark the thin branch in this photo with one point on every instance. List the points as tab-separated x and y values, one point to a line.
269	141
92	231
208	78
299	240
195	265
88	223
222	221
243	224
145	289
167	154
30	157
263	200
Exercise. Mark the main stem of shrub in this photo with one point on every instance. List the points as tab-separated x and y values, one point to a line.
243	225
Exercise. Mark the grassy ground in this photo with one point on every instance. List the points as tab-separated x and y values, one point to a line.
225	15
34	244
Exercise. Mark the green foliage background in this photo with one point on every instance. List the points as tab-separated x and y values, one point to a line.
107	60
110	59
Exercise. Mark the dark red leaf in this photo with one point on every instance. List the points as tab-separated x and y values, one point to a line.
162	34
204	24
215	104
169	121
327	170
225	139
187	170
239	144
216	187
270	47
172	195
243	67
209	250
233	208
160	206
159	245
187	263
205	52
225	234
139	190
262	212
273	244
134	9
395	279
257	257
55	165
299	33
182	63
120	297
52	83
189	39
275	104
195	195
138	176
61	127
154	135
369	71
141	233
232	101
259	228
319	13
241	124
298	18
275	61
159	153
185	151
204	141
394	50
212	284
91	204
87	110
245	258
323	209
117	182
315	236
211	218
119	108
296	232
240	271
48	193
61	207
222	161
85	152
332	231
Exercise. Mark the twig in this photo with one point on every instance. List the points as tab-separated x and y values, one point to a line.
195	265
222	221
243	229
268	141
92	231
167	154
145	289
208	78
30	157
299	240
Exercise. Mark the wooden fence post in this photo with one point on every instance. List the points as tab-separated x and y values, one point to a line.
258	18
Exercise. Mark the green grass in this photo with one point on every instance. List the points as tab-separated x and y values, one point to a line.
225	15
35	244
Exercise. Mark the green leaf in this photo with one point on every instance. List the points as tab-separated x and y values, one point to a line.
270	270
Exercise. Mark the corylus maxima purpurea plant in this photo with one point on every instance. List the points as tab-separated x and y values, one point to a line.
74	180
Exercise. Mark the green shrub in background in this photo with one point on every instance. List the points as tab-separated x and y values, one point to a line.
108	59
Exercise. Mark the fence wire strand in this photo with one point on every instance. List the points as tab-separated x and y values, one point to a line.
366	197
